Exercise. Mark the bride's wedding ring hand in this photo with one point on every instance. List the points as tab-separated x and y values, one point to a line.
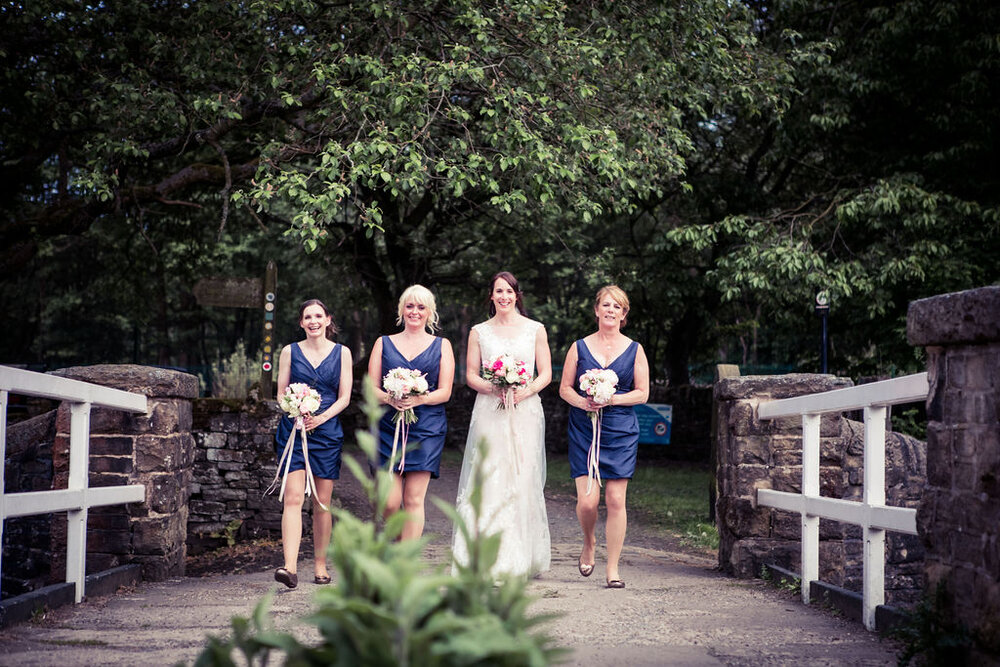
517	395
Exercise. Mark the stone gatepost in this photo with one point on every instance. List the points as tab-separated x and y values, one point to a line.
754	454
155	449
959	518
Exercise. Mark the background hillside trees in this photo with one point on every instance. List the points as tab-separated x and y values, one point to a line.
719	161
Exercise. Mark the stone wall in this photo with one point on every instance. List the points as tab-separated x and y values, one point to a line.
234	464
26	539
959	518
154	449
755	454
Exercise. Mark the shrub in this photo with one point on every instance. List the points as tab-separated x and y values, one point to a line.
232	378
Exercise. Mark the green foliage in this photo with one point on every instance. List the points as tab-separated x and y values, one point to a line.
718	160
787	584
232	378
230	532
385	609
454	128
876	183
911	421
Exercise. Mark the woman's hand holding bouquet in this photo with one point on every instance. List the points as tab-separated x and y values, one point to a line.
507	375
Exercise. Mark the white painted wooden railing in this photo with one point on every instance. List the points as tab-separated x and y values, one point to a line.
77	498
871	513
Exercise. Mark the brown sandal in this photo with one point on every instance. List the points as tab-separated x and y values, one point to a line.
616	583
321	579
585	570
283	576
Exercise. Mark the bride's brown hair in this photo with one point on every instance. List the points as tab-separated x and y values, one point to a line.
512	281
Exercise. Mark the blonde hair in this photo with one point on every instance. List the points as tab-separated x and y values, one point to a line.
422	296
616	294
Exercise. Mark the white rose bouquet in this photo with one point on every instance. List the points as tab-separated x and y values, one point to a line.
399	383
402	382
299	400
600	384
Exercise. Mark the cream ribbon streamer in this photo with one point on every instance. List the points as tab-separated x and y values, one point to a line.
594	453
286	461
401	434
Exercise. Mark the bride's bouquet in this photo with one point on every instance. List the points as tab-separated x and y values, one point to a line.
399	383
297	401
600	384
507	373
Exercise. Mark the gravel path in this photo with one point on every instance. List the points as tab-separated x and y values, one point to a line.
676	610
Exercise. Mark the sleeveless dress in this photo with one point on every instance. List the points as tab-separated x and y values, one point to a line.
619	424
513	467
327	440
426	437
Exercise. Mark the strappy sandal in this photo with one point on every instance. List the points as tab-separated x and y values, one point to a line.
283	576
585	570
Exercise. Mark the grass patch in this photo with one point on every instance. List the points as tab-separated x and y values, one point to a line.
672	497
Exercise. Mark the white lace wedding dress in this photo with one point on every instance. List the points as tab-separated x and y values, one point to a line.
513	466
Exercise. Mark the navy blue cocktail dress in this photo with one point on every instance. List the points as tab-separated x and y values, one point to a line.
425	440
327	440
619	424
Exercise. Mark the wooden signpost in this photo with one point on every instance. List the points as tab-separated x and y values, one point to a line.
247	293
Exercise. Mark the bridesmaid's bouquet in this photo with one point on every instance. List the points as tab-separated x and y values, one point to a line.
299	400
507	373
402	382
399	383
600	385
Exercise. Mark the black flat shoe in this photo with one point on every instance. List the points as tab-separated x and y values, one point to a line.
585	570
321	579
283	576
616	583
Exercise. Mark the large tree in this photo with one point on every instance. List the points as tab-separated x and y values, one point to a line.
416	140
878	183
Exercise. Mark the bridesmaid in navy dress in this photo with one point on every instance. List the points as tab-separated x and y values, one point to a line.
607	348
326	367
414	347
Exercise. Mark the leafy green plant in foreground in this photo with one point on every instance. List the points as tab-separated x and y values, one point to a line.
385	609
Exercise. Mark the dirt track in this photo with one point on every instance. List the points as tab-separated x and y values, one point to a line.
676	610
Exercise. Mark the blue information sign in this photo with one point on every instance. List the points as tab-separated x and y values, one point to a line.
654	423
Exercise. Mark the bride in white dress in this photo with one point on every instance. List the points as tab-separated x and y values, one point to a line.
513	463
